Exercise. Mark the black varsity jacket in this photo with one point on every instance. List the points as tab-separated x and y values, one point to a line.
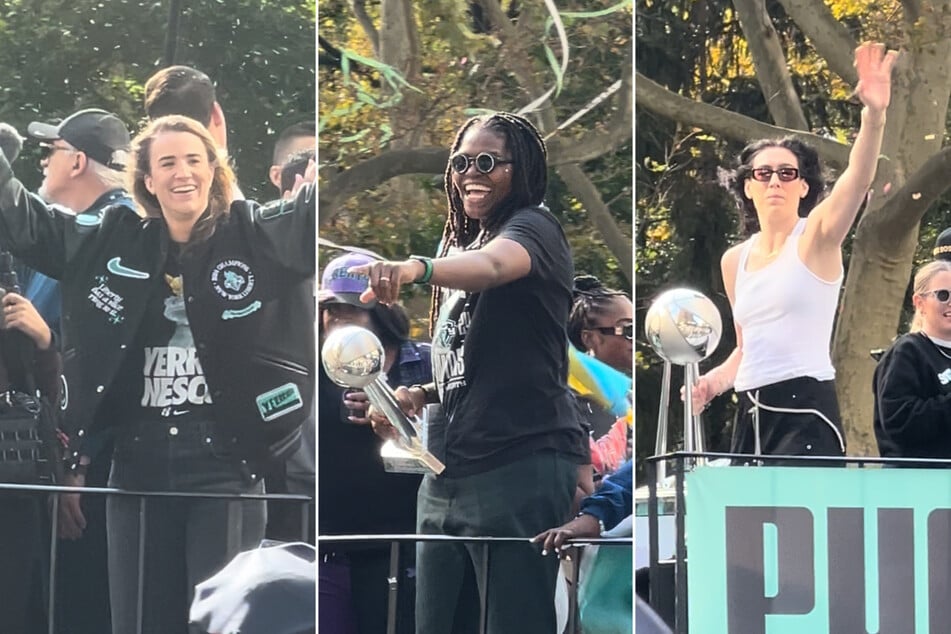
249	298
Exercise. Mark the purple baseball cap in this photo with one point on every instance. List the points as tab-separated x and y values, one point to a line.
338	286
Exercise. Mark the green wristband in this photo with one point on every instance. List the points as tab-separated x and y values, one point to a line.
427	269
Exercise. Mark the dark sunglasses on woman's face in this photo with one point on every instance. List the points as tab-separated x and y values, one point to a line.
764	174
942	294
620	330
484	162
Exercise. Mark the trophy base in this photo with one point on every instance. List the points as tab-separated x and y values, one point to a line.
398	460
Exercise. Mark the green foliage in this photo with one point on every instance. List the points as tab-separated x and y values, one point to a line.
463	72
58	56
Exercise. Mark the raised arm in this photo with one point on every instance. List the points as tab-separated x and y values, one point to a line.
31	229
831	220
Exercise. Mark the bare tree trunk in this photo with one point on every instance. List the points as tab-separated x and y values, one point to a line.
770	63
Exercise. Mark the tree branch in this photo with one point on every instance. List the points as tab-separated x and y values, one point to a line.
912	10
829	36
360	11
657	99
907	206
589	196
337	187
772	72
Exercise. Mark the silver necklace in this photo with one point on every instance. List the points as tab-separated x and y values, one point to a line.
937	347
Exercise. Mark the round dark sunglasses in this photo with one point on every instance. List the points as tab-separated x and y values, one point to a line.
484	162
625	330
942	294
763	174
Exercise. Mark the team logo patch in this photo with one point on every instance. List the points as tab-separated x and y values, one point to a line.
232	280
945	377
279	401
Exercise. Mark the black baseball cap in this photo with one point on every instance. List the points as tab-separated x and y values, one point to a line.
101	135
942	246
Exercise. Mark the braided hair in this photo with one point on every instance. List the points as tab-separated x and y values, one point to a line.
590	298
529	183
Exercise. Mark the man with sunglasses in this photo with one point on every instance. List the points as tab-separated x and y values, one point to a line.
83	160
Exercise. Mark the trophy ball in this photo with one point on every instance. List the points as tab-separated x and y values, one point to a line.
352	356
683	326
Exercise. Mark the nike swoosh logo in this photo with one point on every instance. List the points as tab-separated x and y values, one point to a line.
115	267
244	312
176	412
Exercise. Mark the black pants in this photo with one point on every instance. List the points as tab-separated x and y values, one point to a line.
797	417
24	562
520	499
82	573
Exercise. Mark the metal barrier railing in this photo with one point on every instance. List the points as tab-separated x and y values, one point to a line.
682	462
53	490
486	542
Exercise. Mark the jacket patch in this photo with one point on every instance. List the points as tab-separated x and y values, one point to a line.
279	401
107	300
232	280
275	209
244	312
116	267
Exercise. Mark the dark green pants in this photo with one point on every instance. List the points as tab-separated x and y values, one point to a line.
520	499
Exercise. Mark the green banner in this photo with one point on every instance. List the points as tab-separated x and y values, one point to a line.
791	550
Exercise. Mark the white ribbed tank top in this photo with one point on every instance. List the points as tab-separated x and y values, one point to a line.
786	314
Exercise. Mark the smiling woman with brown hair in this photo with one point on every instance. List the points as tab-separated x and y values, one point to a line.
189	338
512	443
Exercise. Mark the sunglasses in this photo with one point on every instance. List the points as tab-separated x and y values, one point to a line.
764	174
942	294
47	150
621	330
484	162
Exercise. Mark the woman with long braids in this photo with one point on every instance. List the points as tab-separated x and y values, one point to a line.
783	282
512	442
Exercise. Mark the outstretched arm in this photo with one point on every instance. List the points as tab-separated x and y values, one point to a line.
831	220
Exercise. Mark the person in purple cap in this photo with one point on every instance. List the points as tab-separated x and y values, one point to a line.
357	496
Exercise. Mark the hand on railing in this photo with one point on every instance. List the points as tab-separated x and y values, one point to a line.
70	521
582	526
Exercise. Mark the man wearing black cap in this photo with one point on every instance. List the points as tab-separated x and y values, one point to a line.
83	163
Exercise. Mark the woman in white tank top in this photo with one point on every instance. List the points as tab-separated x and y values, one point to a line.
783	282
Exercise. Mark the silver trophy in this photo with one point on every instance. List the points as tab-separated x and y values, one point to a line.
353	357
683	327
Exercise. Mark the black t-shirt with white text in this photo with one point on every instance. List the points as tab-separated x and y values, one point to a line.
162	378
500	358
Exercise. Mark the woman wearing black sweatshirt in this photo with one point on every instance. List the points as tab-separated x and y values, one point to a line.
912	383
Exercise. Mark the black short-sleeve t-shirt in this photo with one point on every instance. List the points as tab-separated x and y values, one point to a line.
500	358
